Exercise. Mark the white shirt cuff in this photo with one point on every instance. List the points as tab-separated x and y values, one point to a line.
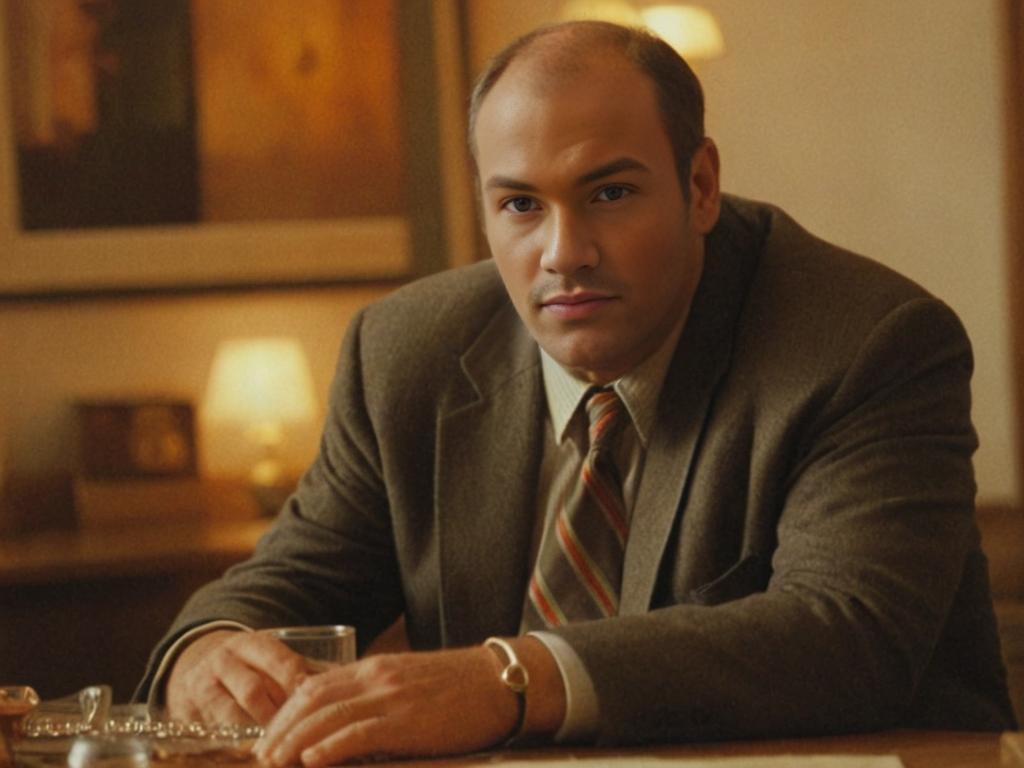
581	709
156	690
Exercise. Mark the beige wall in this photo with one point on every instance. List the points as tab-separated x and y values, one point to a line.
878	124
53	353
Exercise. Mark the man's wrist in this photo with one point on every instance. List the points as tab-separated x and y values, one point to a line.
155	696
515	677
544	694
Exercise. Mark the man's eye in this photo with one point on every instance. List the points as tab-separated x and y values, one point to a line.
612	193
520	204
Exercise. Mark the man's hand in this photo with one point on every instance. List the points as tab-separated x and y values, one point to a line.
407	704
228	676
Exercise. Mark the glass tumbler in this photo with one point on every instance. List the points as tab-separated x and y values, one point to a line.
322	646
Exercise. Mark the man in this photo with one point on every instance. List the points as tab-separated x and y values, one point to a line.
790	485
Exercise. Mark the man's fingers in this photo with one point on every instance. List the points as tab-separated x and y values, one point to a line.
252	694
222	709
205	694
318	726
407	704
233	678
276	661
356	739
320	702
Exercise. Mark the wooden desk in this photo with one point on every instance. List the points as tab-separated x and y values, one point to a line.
86	607
916	749
57	557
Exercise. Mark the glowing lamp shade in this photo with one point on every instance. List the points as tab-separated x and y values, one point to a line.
263	385
691	30
615	11
260	381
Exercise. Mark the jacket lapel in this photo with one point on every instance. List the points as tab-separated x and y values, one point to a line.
488	459
700	361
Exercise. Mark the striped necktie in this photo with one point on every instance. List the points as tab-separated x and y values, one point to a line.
578	573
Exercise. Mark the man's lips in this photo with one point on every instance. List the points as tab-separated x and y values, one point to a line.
576	305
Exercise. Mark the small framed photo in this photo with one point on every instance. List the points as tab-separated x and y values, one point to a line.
136	439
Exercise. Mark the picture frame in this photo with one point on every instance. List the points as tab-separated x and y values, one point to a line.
276	253
143	438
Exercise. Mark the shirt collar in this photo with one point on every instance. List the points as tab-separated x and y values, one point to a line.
639	389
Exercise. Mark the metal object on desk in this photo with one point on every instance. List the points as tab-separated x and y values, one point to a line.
16	701
102	751
84	730
95	702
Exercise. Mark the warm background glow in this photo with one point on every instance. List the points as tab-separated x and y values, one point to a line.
877	124
298	109
690	29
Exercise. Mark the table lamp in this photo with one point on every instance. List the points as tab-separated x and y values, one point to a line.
690	29
264	386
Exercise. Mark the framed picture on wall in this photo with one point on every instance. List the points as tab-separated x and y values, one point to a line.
176	144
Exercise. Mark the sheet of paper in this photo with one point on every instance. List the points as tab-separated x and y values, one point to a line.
1012	751
775	761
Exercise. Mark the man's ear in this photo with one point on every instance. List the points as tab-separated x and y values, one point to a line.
705	194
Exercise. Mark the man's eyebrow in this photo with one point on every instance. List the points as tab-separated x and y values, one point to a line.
507	182
608	169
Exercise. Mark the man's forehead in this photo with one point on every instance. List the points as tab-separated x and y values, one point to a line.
547	66
536	89
531	102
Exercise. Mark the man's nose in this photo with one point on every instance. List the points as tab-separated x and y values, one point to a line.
568	245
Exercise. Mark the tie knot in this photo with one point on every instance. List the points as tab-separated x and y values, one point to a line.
604	412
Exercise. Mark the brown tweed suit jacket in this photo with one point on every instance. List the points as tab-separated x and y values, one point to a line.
802	556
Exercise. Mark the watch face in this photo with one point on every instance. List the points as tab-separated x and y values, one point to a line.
515	677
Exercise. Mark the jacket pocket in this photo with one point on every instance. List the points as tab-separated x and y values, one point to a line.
749	575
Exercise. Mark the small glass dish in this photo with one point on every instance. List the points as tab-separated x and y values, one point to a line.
85	731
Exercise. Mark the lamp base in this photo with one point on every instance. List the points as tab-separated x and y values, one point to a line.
270	484
270	498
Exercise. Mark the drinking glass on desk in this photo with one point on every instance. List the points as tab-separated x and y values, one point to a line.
323	646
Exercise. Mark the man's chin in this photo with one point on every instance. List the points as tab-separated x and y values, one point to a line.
597	365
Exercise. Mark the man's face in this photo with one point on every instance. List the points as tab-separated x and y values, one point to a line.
584	213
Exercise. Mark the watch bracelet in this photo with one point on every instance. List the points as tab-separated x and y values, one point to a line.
507	655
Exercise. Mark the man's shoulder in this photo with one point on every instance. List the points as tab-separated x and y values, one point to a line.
792	260
812	306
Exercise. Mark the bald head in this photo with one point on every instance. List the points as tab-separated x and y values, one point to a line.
558	54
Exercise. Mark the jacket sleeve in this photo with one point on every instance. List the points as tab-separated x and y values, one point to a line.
874	532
